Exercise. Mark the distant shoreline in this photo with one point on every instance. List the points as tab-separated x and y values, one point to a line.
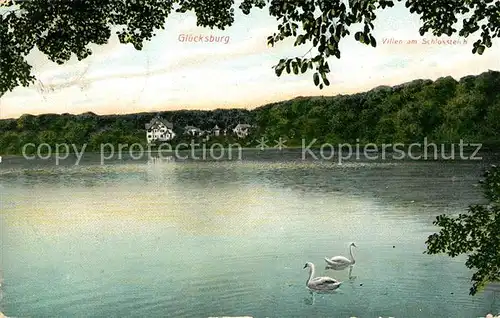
493	148
488	150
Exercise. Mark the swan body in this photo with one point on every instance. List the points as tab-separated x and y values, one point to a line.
320	283
340	262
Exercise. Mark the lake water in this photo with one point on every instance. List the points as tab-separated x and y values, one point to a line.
202	239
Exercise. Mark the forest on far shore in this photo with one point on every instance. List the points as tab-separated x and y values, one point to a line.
443	111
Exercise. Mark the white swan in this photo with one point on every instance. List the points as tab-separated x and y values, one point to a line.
320	283
340	262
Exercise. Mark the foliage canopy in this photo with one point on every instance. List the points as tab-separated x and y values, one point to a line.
476	233
61	28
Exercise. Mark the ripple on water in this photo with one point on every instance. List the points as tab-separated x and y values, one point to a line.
226	239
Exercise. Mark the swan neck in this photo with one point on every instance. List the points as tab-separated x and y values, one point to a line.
311	273
352	257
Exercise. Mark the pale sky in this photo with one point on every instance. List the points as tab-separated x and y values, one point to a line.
169	74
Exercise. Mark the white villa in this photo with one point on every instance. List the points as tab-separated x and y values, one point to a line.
192	131
242	130
159	129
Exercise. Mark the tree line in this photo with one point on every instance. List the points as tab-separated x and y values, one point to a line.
443	111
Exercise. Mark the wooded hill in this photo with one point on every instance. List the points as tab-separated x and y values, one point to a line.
444	111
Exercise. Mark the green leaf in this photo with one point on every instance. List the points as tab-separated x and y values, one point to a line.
323	76
299	40
304	66
373	42
316	78
278	71
480	49
362	38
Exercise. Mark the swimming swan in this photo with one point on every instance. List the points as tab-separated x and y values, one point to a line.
340	262
320	283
